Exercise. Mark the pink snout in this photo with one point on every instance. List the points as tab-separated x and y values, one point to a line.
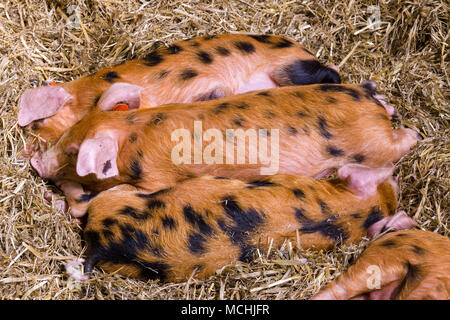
41	165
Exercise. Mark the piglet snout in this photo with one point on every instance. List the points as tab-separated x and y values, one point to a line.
38	164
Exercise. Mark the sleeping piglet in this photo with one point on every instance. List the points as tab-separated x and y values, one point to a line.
304	130
402	265
205	223
202	68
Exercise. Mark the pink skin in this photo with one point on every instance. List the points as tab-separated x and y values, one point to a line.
398	221
121	93
73	270
32	100
363	180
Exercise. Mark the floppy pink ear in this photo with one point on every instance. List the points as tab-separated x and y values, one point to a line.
121	92
40	103
99	156
364	180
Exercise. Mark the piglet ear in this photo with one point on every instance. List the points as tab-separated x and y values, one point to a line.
362	180
40	103
121	92
98	156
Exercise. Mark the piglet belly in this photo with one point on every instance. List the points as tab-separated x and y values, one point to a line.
257	81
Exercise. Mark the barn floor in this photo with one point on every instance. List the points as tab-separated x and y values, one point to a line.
406	54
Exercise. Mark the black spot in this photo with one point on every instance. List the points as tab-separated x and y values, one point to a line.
238	122
133	137
335	152
301	114
291	131
196	243
323	128
325	209
124	251
157	119
239	239
86	197
212	95
195	44
245	47
356	216
96	100
221	178
188	74
242	106
133	213
283	43
174	49
153	204
374	216
261	38
245	220
401	235
163	74
108	234
139	153
303	72
331	100
130	117
298	193
223	51
169	223
263	93
204	57
413	277
106	166
111	76
153	59
108	222
209	37
358	158
388	243
136	170
220	107
197	221
418	250
260	183
326	227
340	88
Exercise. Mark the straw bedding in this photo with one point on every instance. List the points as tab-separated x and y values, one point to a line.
406	54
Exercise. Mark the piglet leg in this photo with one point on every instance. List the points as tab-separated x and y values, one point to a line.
76	197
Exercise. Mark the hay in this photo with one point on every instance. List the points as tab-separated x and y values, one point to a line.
407	54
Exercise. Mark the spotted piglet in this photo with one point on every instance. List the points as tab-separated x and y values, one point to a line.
198	69
203	224
307	129
402	265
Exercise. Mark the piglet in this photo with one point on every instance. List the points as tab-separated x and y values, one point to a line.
304	130
205	223
201	68
401	265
